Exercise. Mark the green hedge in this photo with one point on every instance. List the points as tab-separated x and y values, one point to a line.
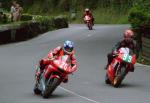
23	30
52	22
26	17
60	21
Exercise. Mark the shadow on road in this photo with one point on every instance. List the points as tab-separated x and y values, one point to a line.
130	86
126	85
53	96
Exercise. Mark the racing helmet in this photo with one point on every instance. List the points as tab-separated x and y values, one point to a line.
87	10
128	33
68	46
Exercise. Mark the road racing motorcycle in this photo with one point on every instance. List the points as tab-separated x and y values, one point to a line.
53	75
88	21
121	64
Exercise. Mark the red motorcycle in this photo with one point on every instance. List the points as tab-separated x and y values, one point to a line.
88	21
120	66
53	75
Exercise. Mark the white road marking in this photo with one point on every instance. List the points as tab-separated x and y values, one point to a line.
89	35
78	95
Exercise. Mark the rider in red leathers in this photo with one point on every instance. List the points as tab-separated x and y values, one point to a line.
127	41
89	13
66	49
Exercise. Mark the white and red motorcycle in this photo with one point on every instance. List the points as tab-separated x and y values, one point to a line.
88	21
53	75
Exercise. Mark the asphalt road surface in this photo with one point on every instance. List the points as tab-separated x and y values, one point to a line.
18	60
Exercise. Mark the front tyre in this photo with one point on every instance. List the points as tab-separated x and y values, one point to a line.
51	86
107	81
117	82
89	26
36	90
120	76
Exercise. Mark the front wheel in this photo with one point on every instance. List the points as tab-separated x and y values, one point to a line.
36	89
119	77
90	26
51	86
107	81
117	82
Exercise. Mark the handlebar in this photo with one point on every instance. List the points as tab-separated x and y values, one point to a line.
51	58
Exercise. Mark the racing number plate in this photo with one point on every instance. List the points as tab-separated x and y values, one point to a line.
127	58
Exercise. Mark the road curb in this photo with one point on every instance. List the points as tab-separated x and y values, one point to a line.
143	65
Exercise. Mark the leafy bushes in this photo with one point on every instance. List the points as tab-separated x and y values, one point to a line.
139	17
60	21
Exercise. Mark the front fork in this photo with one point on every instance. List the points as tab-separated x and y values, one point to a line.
37	74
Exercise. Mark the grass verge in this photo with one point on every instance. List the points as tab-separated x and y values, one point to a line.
142	60
104	16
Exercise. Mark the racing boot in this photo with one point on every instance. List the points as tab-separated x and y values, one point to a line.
38	74
65	79
105	68
132	68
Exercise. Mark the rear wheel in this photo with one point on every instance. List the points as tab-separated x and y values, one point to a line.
51	86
